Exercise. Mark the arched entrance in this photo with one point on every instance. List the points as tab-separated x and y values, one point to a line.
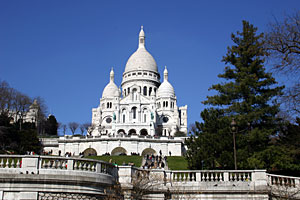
148	151
90	152
144	132
121	131
132	132
118	151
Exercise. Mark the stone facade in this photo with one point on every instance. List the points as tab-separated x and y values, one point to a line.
143	106
142	117
114	145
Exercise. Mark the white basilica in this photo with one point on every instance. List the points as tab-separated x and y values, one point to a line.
144	106
142	117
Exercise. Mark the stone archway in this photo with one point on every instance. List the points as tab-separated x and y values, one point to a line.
90	152
148	151
132	132
121	131
144	132
118	151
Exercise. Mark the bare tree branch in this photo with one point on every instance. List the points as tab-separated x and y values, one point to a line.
73	127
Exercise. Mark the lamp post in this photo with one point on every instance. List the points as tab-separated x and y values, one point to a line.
234	130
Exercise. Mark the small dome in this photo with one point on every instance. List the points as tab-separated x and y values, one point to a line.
165	89
141	59
111	89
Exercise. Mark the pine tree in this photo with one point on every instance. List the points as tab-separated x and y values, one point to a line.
247	95
51	125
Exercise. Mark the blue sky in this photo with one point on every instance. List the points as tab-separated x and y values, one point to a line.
63	50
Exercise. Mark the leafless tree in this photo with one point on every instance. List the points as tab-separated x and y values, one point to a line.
73	127
6	98
282	42
43	109
114	192
144	182
82	129
13	103
64	128
20	105
284	191
89	128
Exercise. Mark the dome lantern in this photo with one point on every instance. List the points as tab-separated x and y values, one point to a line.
112	75
166	74
142	38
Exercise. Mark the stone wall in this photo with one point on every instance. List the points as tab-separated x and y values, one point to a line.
67	196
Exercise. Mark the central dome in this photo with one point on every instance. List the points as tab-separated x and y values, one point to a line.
141	59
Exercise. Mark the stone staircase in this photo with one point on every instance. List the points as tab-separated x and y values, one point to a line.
144	160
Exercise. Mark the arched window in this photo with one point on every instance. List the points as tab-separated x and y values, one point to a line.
134	113
134	94
150	90
145	117
124	118
145	91
107	105
110	105
166	104
128	90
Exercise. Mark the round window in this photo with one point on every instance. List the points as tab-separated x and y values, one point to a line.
165	119
108	120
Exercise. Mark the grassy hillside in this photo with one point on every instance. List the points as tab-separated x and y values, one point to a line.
177	163
137	160
174	162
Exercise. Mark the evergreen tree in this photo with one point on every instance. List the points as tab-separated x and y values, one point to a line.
51	125
246	95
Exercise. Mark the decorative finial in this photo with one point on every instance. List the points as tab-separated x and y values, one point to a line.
165	74
142	38
112	75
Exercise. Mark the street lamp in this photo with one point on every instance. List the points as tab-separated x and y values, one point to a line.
234	130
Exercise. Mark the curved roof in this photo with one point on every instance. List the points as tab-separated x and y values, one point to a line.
111	89
141	59
165	89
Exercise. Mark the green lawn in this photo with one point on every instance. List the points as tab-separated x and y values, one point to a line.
137	160
174	162
177	163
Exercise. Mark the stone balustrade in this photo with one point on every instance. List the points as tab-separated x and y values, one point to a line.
280	180
211	176
70	137
284	187
12	161
40	177
55	163
199	184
